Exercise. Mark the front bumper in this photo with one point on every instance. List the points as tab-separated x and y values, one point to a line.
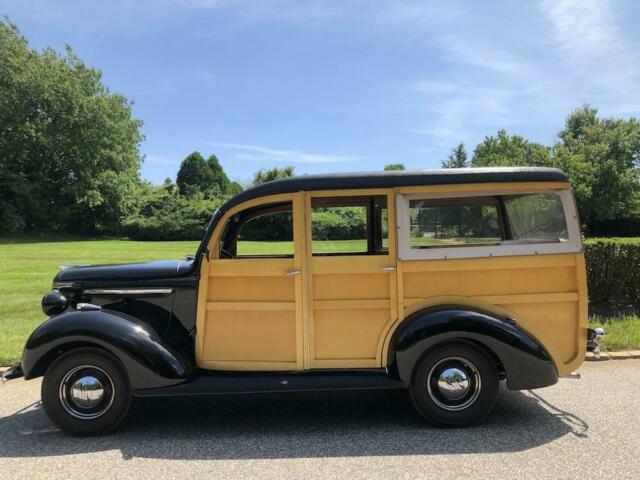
12	372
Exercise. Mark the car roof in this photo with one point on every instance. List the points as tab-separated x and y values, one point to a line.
398	178
384	179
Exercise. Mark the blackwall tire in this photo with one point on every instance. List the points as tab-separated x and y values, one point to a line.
86	392
454	386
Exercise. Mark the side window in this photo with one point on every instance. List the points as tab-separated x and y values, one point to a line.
454	222
349	225
536	218
265	231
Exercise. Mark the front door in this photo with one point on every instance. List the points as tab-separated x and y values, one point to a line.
250	316
351	278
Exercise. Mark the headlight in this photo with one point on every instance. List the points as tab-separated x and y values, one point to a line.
54	303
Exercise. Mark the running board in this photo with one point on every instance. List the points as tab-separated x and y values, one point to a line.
228	383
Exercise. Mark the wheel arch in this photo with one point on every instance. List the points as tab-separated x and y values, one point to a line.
147	361
42	364
523	360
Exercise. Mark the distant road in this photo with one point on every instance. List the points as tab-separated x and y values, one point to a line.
587	429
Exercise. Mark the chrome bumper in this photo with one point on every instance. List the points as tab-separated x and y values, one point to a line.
594	336
12	372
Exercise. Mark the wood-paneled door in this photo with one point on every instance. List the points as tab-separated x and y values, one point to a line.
351	278
251	291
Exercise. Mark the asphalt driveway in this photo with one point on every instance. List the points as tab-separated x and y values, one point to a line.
588	428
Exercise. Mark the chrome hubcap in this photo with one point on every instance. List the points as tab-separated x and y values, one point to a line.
86	392
454	383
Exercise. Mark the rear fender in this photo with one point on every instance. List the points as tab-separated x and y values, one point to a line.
148	362
525	361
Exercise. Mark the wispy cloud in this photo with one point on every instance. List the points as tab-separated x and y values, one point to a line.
584	28
457	110
601	59
258	153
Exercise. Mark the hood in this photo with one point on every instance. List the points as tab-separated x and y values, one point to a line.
163	269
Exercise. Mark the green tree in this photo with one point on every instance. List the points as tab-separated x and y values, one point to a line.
195	175
601	156
220	178
69	148
457	158
275	173
234	188
394	166
510	150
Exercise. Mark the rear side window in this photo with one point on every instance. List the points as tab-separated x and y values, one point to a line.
454	222
485	225
536	218
349	225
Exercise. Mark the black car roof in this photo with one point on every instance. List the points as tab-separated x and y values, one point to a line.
398	178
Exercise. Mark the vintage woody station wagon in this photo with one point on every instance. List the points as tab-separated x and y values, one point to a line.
454	280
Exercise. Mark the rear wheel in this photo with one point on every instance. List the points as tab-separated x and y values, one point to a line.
86	392
454	385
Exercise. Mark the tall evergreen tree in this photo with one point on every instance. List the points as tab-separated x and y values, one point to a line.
194	175
457	158
220	178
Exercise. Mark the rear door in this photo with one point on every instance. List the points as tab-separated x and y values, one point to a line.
351	277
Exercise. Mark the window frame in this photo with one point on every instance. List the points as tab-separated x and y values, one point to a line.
405	252
248	214
373	215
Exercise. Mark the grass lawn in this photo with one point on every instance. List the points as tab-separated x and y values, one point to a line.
621	333
29	266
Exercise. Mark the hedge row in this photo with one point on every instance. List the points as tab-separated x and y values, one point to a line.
613	271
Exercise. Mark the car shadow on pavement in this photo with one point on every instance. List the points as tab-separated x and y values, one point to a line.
335	424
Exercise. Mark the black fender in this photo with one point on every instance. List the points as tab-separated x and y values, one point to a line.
525	361
148	362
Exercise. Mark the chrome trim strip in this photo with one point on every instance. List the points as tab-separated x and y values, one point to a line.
129	291
88	307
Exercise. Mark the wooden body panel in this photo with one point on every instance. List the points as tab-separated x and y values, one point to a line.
341	311
544	294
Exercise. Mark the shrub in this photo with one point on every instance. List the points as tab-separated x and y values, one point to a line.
613	271
165	215
339	223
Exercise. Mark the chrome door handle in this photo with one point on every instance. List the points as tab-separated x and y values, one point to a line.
388	269
291	273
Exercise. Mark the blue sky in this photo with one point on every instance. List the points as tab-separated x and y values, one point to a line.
345	85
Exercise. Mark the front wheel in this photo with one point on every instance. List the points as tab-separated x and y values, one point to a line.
454	385
86	392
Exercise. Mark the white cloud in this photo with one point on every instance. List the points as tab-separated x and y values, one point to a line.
263	154
585	28
600	58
